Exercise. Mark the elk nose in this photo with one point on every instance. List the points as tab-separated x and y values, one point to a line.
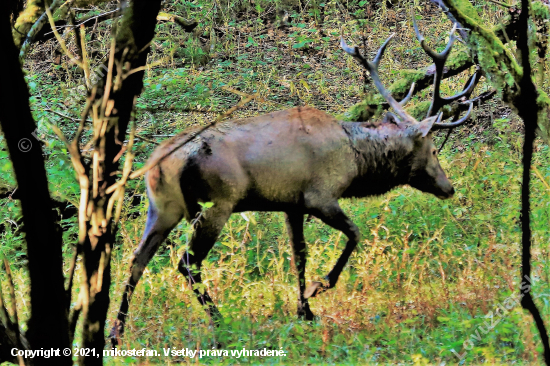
452	191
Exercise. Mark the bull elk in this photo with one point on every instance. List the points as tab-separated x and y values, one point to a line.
299	161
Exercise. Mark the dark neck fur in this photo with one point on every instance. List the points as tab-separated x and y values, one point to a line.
383	157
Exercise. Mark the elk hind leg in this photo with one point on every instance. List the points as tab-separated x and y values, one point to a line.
207	229
158	226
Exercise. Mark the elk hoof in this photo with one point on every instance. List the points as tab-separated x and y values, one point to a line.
314	289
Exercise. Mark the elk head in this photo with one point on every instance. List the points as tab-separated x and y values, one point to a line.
426	172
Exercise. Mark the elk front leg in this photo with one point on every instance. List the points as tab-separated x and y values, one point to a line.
295	227
157	228
336	218
207	230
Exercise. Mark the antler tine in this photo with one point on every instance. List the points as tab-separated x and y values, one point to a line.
419	35
372	68
381	51
408	96
353	51
440	126
436	57
452	39
467	90
439	60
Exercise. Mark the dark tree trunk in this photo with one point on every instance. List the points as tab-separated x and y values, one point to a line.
48	325
528	111
132	47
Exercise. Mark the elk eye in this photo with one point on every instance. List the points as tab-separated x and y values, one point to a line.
434	152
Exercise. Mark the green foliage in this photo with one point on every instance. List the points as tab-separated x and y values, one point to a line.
426	276
419	110
540	10
362	111
499	61
426	273
407	78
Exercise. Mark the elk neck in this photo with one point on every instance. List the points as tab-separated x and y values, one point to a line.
383	157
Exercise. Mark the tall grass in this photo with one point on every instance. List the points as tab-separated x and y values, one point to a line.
425	276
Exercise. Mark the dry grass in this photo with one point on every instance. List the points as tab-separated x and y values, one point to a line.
426	273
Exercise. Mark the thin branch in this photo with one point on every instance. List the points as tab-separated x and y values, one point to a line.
154	162
239	105
501	4
461	29
64	115
145	67
146	139
62	41
71	276
85	61
73	317
38	25
539	175
187	25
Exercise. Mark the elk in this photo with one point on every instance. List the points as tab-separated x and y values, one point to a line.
299	161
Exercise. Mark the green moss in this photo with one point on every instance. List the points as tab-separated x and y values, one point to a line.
498	62
419	110
495	59
486	38
402	86
458	59
362	111
26	19
466	8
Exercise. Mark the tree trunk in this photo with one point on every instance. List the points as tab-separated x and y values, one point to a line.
48	324
115	102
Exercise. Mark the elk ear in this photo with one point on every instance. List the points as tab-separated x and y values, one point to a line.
424	127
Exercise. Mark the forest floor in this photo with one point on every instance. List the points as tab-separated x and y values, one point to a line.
432	282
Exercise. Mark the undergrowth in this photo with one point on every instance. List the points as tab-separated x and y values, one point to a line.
427	273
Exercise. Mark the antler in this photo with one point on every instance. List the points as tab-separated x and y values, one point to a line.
438	101
439	60
440	126
408	96
372	67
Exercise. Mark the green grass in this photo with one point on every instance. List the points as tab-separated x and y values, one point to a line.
427	274
423	279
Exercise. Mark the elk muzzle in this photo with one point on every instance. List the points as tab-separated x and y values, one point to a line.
444	186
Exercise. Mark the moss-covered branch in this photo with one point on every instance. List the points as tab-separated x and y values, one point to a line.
423	78
24	41
31	20
373	105
186	25
26	19
498	61
495	58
